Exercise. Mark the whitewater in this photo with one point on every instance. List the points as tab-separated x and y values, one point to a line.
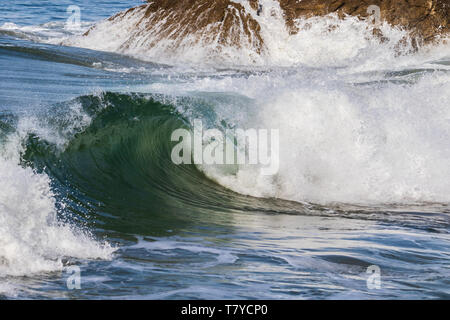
86	177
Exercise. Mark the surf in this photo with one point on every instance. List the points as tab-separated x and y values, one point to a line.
88	179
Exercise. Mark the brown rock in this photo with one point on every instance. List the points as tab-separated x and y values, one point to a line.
208	20
426	19
227	23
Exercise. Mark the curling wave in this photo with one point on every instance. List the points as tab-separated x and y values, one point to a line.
110	154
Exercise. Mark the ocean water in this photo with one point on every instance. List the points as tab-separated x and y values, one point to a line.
88	187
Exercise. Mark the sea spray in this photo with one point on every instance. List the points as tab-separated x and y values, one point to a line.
33	238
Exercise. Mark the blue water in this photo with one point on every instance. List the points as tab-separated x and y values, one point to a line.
177	234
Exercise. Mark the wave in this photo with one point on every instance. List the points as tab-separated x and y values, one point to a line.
50	32
112	154
106	157
32	238
37	234
116	148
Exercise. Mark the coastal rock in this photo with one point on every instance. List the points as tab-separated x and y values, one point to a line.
222	21
426	19
167	27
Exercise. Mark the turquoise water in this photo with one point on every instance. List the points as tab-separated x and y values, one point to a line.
85	137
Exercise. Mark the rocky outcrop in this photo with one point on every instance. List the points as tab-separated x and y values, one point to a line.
168	27
221	21
426	19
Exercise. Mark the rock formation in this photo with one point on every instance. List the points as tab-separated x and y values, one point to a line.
425	19
223	21
168	25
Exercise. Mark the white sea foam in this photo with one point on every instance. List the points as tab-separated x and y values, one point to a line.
321	42
32	238
343	137
51	32
356	144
